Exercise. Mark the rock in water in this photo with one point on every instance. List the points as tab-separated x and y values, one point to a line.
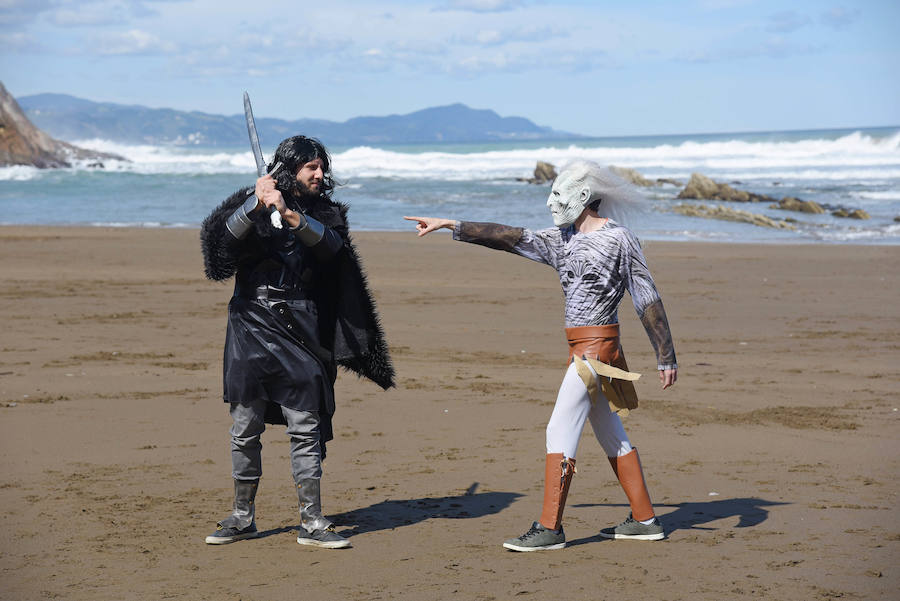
543	173
630	175
726	214
704	188
21	143
789	203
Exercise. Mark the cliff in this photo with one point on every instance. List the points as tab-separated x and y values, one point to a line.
21	143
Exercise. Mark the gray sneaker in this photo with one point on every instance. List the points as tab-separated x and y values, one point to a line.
229	534
538	538
634	530
326	538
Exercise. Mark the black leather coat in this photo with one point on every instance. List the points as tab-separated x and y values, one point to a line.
286	350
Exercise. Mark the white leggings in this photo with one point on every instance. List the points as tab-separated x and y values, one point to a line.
573	405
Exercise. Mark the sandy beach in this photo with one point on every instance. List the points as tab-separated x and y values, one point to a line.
773	462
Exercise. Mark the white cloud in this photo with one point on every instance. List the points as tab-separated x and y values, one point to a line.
481	6
74	13
840	17
19	12
533	36
487	37
775	46
88	15
497	60
787	21
723	4
133	41
17	42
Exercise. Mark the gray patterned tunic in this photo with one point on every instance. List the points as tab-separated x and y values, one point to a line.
595	269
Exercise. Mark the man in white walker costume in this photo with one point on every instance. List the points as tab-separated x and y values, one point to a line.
597	260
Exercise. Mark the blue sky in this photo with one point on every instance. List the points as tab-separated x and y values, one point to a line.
591	67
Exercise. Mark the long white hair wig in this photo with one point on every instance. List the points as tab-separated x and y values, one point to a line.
619	199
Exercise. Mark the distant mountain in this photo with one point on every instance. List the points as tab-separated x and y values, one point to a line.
73	118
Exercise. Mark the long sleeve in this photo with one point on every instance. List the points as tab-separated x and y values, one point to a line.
325	250
328	247
541	245
647	303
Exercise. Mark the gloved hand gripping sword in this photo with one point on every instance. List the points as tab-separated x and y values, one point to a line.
309	230
239	223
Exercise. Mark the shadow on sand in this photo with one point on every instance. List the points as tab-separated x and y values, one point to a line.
390	514
750	511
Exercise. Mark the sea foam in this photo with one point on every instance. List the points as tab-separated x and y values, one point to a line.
852	156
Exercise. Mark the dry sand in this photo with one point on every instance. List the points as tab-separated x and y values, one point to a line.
773	462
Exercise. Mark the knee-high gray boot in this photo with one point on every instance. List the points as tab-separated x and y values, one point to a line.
241	523
315	529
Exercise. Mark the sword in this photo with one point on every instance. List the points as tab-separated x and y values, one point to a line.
274	215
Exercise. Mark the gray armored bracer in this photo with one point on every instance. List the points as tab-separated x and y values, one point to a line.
309	231
240	223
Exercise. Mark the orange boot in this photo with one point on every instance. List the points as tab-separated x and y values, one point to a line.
557	477
631	477
547	534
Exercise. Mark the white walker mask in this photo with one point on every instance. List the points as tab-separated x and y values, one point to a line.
582	182
569	196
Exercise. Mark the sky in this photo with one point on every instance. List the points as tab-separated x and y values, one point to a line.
600	68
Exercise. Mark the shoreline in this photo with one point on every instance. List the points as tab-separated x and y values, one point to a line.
402	230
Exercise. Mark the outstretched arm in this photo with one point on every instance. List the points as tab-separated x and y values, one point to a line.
492	235
426	225
520	241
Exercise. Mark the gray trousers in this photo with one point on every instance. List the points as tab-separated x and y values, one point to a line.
246	447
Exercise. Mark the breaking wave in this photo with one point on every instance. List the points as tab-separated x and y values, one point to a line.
853	156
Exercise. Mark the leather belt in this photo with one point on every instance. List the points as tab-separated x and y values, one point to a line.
599	342
270	293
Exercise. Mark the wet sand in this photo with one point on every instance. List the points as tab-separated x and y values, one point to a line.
773	462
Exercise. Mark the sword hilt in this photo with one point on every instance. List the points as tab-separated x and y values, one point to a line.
274	215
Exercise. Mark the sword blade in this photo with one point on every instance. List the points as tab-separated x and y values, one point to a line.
274	215
254	137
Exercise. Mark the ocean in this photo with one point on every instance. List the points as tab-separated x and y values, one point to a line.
177	186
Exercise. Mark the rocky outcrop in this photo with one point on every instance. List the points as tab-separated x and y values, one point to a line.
851	213
726	214
789	203
630	175
701	187
543	173
21	143
665	180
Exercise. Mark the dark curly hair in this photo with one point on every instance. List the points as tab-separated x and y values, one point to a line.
294	152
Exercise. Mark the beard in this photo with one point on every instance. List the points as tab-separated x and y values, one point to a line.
301	190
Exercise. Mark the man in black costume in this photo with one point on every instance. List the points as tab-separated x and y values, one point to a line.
301	307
